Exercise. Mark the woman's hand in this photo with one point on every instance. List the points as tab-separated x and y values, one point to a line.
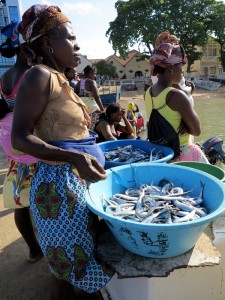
88	167
123	111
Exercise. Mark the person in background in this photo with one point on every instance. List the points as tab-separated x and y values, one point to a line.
140	123
109	126
186	86
87	89
148	83
50	122
16	188
132	108
72	76
167	63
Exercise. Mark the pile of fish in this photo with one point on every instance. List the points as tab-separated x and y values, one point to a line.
161	204
129	154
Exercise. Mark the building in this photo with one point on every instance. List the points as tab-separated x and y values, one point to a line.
9	10
133	68
129	68
209	65
83	63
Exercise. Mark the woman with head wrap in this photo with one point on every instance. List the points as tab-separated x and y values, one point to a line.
16	187
50	122
109	125
132	108
173	104
87	89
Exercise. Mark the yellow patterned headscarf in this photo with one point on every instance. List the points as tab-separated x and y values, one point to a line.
39	19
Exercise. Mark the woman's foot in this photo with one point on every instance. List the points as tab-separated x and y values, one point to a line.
32	258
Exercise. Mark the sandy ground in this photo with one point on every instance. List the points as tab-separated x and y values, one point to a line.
20	280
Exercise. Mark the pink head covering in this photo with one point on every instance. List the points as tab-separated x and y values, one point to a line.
167	52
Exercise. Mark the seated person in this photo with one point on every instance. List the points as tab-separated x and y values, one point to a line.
140	123
109	128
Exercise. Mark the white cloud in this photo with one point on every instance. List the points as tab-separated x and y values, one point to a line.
80	8
95	48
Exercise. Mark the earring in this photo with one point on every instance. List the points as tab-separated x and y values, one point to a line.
50	50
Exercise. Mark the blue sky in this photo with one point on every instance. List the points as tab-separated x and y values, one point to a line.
90	20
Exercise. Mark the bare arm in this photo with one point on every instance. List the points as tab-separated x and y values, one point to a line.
178	100
127	127
31	100
77	88
91	85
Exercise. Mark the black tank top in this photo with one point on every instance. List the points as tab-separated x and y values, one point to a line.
101	137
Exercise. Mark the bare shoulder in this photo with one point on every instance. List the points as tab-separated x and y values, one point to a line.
174	93
90	82
38	72
6	81
177	99
102	124
36	79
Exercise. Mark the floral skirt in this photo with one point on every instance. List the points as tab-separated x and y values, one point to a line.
192	152
66	228
17	183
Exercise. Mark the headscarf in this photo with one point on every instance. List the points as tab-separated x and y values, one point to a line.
130	106
10	32
39	19
167	52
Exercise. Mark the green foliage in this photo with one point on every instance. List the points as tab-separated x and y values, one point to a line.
107	69
217	28
141	21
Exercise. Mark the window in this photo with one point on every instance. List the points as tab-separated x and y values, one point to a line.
13	12
1	18
213	70
213	52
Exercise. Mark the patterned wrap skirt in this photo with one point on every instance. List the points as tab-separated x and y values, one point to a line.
66	229
191	152
17	183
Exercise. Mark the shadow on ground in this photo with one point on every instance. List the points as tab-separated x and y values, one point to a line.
20	280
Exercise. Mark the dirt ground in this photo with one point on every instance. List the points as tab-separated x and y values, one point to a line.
20	280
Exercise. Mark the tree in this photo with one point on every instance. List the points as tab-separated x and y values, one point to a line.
106	69
140	22
217	29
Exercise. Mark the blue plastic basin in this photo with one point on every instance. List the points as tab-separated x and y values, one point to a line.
157	240
137	144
